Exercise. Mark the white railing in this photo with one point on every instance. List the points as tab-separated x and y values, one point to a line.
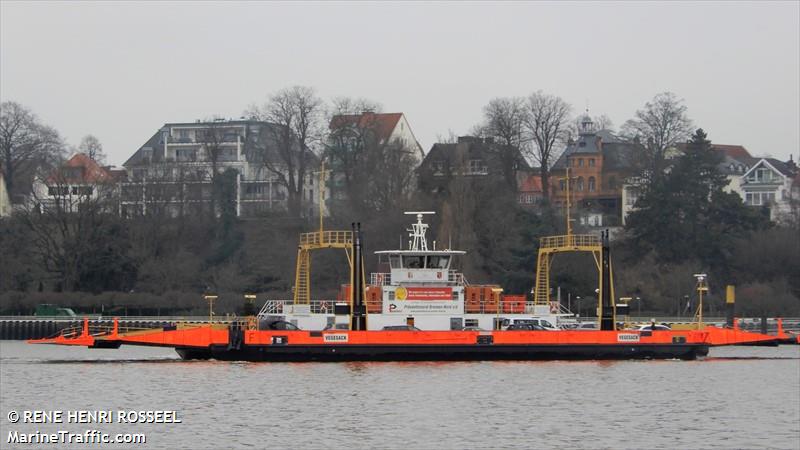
275	307
385	278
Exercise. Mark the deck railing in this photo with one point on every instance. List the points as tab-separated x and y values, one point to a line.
570	240
339	238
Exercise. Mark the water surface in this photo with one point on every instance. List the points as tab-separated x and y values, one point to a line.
738	397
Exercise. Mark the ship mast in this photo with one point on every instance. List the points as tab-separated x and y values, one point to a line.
417	231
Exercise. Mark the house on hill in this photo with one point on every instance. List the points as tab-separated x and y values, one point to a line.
772	184
380	147
77	181
599	163
734	161
470	158
173	171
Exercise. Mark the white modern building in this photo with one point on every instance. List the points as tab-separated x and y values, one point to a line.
173	171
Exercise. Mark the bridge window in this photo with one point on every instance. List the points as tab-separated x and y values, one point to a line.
394	261
413	262
438	262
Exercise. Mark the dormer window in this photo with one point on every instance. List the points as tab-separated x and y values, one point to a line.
477	167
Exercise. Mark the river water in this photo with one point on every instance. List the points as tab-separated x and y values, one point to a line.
737	397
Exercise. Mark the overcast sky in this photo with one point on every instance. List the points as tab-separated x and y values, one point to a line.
120	71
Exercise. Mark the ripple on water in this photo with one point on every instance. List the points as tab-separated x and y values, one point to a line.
737	398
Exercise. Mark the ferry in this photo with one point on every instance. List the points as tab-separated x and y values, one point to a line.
422	309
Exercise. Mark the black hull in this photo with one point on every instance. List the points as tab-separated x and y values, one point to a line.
340	353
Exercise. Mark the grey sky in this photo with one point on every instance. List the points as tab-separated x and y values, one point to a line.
120	71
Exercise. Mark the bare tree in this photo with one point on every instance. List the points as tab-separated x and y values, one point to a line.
296	114
603	122
91	147
376	173
660	125
350	105
70	219
504	122
25	144
547	125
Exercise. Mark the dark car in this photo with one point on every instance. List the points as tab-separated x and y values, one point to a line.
650	328
401	328
525	327
282	325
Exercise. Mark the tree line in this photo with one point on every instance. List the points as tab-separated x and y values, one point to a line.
684	222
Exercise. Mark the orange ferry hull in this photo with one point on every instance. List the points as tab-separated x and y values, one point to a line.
232	343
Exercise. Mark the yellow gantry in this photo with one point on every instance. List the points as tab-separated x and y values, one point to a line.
317	240
550	245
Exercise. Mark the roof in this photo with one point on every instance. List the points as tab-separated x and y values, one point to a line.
91	171
469	147
531	182
617	154
382	123
781	167
156	142
736	152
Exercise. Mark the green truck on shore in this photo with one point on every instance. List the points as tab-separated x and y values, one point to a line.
50	310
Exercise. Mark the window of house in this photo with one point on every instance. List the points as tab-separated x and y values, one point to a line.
631	197
60	190
477	167
147	153
438	168
591	162
591	184
580	162
580	183
563	185
761	175
310	195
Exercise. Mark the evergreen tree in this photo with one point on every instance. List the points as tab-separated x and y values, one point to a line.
686	214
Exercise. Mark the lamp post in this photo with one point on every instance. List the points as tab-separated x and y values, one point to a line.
639	306
578	299
701	287
210	299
